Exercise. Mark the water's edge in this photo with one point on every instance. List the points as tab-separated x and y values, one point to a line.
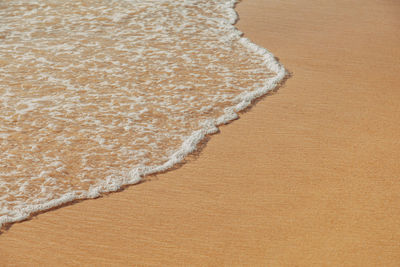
188	146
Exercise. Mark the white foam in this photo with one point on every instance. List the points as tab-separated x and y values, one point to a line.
112	182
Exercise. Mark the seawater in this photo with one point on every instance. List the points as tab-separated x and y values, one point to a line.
96	94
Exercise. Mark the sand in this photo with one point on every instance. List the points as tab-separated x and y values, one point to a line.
309	176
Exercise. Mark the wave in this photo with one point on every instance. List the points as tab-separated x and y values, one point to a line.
96	95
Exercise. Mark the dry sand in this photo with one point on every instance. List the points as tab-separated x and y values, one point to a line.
309	176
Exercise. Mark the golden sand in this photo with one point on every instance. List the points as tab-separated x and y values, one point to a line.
309	176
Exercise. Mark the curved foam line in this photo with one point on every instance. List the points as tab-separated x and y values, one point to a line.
189	145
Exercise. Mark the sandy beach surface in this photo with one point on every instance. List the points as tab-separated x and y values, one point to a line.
310	176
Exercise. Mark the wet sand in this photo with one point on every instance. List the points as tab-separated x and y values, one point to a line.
309	176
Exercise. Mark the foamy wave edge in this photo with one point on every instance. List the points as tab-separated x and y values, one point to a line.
188	146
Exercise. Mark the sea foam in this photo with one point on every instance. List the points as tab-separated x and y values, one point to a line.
97	94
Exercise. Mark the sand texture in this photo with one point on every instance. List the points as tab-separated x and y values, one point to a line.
310	176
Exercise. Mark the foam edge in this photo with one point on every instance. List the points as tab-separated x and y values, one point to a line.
189	145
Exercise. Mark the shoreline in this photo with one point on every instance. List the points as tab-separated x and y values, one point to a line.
188	146
308	177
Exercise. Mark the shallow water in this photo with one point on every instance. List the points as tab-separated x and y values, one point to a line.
96	94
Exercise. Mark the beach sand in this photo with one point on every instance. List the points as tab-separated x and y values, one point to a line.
309	176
